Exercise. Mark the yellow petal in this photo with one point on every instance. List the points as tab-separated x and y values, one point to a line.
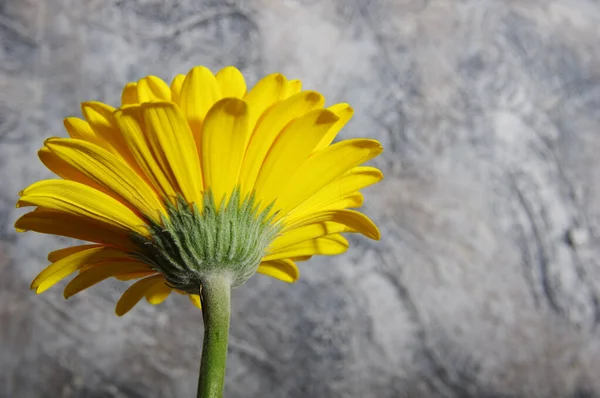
284	270
171	142
353	219
324	167
158	293
99	116
81	130
135	275
199	93
344	112
306	232
53	222
294	87
289	151
223	145
357	178
352	200
231	82
135	293
101	120
65	266
152	88
265	93
300	258
129	95
105	170
63	169
82	201
268	128
130	120
327	245
100	272
195	299
67	251
176	85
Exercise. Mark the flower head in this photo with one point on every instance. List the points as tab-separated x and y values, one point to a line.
200	177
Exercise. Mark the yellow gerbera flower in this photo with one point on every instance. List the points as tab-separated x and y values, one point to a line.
199	177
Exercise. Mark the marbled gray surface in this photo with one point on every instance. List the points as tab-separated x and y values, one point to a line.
486	282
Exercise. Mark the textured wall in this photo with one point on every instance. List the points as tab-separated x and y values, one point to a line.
486	282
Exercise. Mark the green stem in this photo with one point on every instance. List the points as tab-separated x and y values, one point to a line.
215	298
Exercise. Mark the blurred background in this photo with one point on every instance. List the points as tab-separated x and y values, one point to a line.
486	282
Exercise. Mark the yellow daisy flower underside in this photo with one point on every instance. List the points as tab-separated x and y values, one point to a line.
125	169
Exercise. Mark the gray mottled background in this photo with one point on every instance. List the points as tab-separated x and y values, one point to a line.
486	282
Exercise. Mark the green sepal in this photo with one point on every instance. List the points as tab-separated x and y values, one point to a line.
190	244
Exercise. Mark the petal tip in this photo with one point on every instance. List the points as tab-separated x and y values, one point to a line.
294	278
93	106
41	286
199	71
49	141
313	97
200	68
279	78
69	291
230	68
327	117
374	233
376	149
235	107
